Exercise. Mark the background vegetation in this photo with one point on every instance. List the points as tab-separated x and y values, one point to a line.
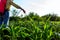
32	27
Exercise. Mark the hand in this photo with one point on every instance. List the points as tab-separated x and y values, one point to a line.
23	10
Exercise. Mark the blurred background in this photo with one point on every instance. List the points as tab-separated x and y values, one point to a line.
41	7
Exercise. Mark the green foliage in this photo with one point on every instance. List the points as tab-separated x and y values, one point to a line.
30	30
54	17
31	27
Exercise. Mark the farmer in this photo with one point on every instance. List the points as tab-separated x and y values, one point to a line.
5	17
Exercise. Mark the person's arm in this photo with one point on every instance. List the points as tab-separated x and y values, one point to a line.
15	5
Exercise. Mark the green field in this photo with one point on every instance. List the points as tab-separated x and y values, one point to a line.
31	30
31	27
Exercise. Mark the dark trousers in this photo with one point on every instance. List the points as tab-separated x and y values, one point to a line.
4	18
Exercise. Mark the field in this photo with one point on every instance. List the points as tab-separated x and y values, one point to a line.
31	27
31	30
